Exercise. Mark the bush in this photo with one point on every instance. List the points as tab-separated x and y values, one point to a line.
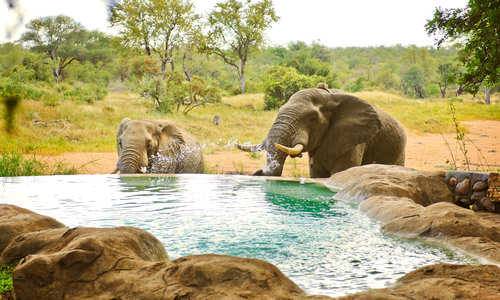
13	164
174	91
282	82
87	93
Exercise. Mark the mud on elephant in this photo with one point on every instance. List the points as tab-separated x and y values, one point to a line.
156	147
338	131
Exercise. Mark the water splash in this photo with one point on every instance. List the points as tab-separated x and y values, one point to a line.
174	160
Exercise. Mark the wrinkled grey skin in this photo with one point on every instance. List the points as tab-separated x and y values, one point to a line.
156	147
338	131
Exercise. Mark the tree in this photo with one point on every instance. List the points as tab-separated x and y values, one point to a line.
447	74
413	80
478	27
236	29
61	38
157	25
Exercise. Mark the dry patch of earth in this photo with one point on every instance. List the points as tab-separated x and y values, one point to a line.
423	152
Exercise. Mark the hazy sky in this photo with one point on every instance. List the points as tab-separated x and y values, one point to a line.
334	23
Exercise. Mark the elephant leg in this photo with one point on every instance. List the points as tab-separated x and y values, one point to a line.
321	166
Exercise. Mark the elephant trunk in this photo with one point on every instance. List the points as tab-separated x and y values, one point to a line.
132	161
282	132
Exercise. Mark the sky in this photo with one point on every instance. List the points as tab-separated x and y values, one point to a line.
334	23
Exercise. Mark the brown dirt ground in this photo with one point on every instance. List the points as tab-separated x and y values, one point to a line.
423	152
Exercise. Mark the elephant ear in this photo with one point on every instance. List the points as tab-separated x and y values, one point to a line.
169	136
353	121
121	129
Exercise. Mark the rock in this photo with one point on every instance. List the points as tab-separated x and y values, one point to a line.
84	263
359	183
452	181
214	276
479	186
15	220
440	281
444	220
487	204
414	203
476	196
463	187
465	202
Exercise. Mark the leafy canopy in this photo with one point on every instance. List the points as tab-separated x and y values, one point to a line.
157	25
477	26
64	40
237	29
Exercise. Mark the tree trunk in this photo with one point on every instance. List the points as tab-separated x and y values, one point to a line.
242	75
163	67
443	89
487	92
460	90
146	47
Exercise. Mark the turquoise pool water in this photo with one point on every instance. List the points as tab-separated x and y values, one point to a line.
325	246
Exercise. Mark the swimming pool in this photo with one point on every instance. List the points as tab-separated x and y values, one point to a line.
324	245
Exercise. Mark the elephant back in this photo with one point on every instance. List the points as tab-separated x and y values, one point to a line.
388	145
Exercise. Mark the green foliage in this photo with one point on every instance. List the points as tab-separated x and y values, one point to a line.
87	93
414	81
63	40
6	284
357	85
13	164
282	82
237	29
157	25
478	26
174	92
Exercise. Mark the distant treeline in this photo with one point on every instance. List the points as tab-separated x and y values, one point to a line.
84	63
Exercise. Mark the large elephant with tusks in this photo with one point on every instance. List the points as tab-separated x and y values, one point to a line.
157	146
337	130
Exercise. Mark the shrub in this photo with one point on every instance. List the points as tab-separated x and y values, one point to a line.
13	164
282	82
174	91
87	93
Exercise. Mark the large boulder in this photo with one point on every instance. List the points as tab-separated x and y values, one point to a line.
441	281
81	263
15	220
360	183
415	203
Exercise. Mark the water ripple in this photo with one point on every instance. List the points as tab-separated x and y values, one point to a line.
325	246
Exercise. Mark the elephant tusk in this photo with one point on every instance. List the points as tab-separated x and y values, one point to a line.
249	148
291	151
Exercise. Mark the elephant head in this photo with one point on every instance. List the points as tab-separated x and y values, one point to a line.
138	140
326	124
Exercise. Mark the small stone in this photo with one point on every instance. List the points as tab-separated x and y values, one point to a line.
479	186
463	187
465	202
476	196
452	181
487	204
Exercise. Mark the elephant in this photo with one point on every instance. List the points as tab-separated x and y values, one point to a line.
338	131
156	146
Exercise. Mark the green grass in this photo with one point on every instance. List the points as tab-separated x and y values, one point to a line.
80	127
5	279
15	164
430	115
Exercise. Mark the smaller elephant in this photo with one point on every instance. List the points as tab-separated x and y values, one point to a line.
156	147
